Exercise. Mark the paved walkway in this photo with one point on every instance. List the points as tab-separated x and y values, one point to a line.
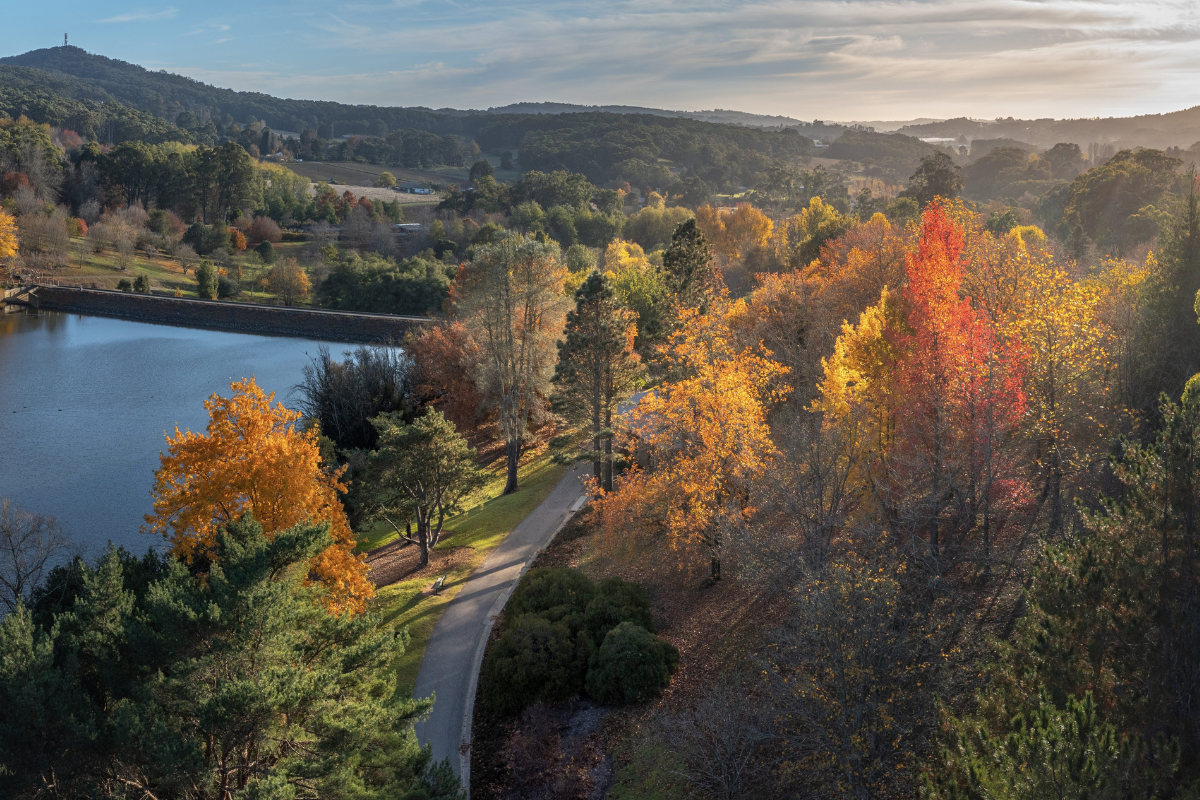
450	667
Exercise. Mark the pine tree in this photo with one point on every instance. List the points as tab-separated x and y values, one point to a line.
154	680
597	368
688	263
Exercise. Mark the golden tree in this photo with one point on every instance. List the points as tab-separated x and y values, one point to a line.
705	438
254	458
289	281
8	235
1069	410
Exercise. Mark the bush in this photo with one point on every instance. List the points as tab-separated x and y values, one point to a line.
556	593
266	251
534	659
632	666
227	287
616	601
141	284
553	624
124	285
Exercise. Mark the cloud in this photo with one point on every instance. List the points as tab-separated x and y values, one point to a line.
834	59
143	15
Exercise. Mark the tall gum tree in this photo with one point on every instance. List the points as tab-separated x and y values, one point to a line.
510	298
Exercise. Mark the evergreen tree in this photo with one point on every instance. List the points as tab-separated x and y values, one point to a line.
419	473
597	368
206	281
156	679
688	264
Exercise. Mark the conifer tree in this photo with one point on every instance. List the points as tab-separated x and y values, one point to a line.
597	368
688	263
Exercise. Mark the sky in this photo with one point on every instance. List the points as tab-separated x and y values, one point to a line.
809	59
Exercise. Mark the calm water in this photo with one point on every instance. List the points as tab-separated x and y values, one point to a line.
85	403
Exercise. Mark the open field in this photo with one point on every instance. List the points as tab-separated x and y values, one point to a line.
103	271
352	173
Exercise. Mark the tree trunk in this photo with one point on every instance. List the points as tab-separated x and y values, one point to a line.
514	457
423	543
715	566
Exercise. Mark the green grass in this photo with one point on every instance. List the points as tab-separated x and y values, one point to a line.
480	528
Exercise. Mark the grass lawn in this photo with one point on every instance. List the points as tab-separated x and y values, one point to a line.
480	528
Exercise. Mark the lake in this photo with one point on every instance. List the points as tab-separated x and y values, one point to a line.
85	403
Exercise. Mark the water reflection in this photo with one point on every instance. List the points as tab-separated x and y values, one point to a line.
85	403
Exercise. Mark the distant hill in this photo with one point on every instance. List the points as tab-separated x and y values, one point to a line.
716	115
1175	129
68	87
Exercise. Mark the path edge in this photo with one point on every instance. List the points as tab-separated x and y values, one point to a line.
464	748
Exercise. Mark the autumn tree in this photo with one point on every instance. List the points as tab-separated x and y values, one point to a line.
733	233
688	265
944	388
806	233
510	298
597	368
443	358
288	281
706	440
1067	366
8	235
253	457
419	473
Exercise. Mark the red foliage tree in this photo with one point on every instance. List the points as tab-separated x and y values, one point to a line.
961	398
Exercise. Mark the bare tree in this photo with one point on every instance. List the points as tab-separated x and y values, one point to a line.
513	305
126	246
721	743
29	546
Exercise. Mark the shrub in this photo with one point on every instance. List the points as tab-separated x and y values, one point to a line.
264	229
632	666
534	659
141	284
556	593
266	251
124	285
616	601
227	287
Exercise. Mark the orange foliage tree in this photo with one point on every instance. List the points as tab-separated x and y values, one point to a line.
444	356
705	439
254	458
945	389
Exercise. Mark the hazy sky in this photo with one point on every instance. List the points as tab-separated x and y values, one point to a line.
852	59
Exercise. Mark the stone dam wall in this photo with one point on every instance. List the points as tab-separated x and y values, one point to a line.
242	317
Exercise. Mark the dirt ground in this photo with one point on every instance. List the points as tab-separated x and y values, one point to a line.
399	560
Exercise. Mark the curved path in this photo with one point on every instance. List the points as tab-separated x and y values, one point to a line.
450	667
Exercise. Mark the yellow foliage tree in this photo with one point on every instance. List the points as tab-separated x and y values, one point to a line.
289	282
1069	410
732	233
706	439
8	235
254	458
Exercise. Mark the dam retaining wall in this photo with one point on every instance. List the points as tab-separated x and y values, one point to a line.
242	317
